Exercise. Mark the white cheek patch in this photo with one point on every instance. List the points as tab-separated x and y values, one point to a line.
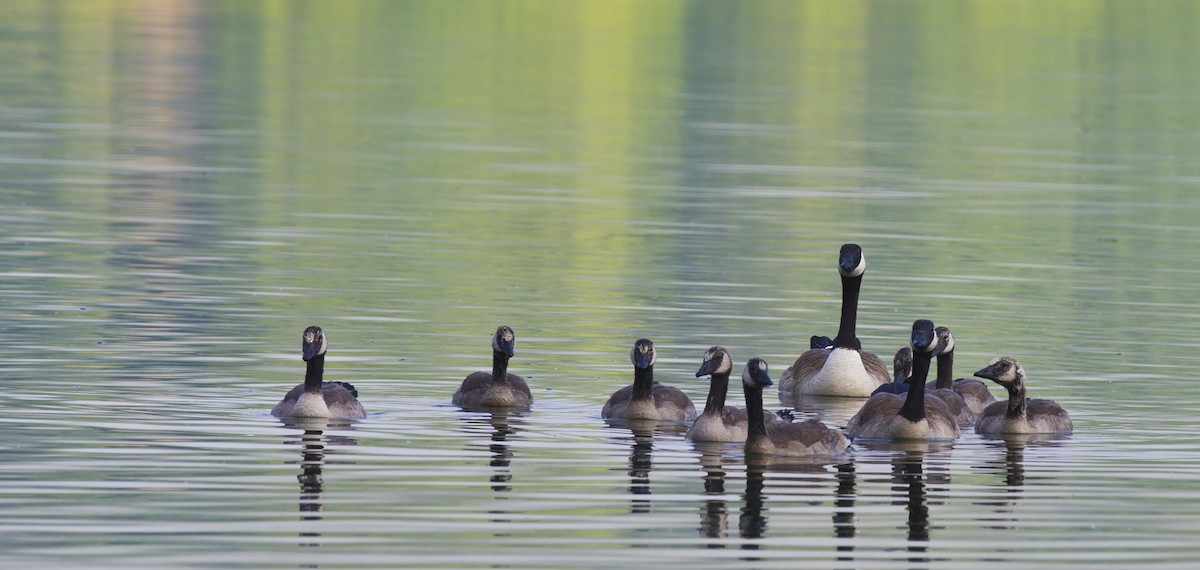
861	267
949	343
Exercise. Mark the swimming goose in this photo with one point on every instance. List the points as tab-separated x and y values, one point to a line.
1019	414
911	416
498	388
974	392
942	388
719	422
901	369
846	370
646	399
805	438
316	398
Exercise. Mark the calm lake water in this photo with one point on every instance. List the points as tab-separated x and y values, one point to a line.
186	186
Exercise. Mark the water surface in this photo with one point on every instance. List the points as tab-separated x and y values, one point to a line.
186	186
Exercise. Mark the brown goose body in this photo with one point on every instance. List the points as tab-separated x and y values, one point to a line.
646	399
498	388
914	415
315	398
805	438
1019	415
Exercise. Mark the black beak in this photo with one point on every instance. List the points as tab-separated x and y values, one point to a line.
846	262
309	350
707	367
507	347
986	373
923	335
642	359
761	377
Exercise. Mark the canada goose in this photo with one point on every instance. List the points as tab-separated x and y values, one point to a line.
498	388
805	438
316	398
974	392
901	369
1019	414
911	416
719	422
646	399
846	370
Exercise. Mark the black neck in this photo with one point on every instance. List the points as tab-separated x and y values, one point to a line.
643	382
914	405
945	373
845	337
314	374
499	366
754	407
1016	399
717	388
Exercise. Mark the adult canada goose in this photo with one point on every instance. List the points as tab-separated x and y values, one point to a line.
719	422
902	365
646	399
974	392
498	388
316	398
1019	414
846	370
911	416
804	438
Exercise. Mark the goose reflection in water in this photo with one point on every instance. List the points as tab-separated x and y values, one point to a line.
313	443
641	448
911	476
752	518
501	425
714	515
1010	468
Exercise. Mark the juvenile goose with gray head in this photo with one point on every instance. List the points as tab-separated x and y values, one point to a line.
1019	414
316	398
497	389
902	365
845	370
974	393
719	422
804	438
911	416
646	399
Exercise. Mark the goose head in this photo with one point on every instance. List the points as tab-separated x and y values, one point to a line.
1003	370
945	341
504	341
924	339
902	365
716	361
815	342
313	343
643	354
755	374
851	262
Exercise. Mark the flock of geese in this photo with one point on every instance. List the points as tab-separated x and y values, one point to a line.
900	406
